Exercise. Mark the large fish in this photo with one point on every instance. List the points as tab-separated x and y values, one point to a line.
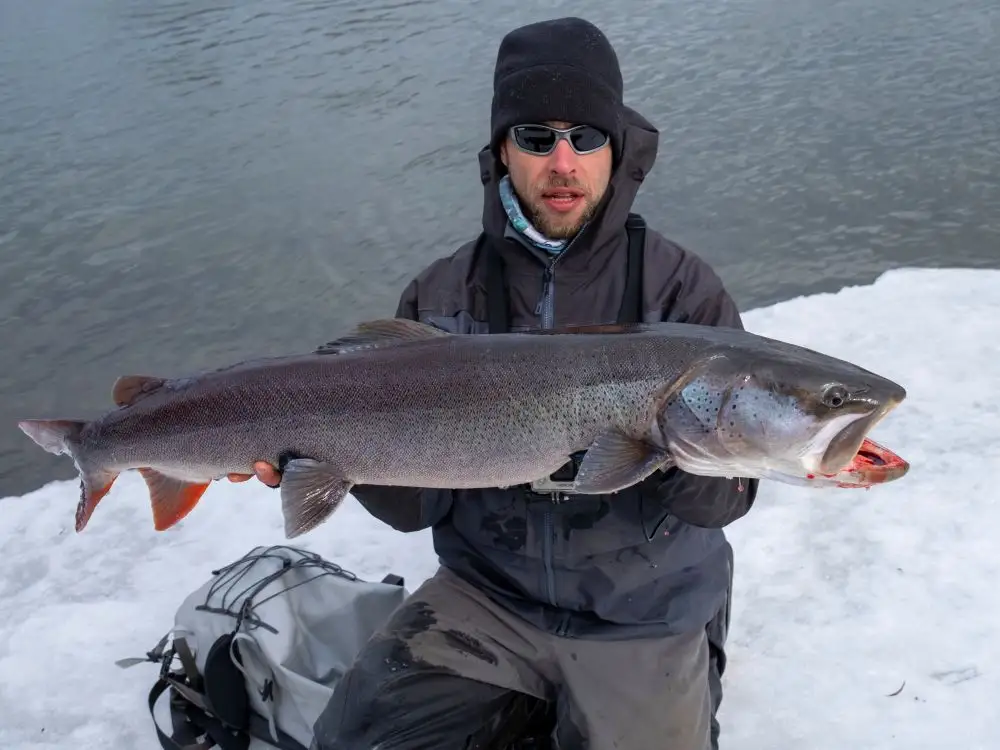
397	402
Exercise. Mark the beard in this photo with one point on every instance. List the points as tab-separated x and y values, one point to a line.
556	226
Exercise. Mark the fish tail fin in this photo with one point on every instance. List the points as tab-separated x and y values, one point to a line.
95	483
62	436
54	435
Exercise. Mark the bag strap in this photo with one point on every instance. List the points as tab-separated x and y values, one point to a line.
190	715
183	737
497	296
632	307
630	311
192	718
190	722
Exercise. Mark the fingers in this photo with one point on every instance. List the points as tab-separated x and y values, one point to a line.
267	474
264	471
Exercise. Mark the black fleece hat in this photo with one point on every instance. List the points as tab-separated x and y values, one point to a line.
563	69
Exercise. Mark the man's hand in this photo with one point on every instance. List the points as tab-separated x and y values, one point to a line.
264	471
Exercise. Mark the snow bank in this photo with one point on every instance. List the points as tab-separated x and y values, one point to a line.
841	597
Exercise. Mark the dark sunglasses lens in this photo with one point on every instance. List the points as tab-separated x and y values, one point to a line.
541	140
533	139
587	139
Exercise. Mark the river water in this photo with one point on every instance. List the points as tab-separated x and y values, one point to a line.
189	182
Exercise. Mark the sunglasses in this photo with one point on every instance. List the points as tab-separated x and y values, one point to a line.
541	140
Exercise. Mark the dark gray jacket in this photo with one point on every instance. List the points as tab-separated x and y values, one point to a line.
648	560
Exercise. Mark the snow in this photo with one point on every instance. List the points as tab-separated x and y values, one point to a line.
841	596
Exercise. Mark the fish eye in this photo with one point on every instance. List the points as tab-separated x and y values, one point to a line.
835	396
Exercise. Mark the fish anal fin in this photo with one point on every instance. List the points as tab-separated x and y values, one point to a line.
94	485
171	499
380	333
130	388
310	492
615	461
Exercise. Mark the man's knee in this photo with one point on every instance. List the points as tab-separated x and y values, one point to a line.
420	681
392	699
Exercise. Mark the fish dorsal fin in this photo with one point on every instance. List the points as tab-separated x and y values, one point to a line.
373	334
130	388
592	329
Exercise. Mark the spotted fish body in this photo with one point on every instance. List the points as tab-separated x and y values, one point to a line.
401	403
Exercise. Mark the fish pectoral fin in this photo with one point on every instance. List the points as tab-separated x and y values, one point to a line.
615	461
171	499
130	388
379	333
310	492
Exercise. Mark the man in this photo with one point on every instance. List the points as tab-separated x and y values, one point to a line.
612	608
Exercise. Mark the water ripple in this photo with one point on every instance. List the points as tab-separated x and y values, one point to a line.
186	183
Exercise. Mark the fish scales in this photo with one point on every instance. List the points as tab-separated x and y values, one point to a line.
475	410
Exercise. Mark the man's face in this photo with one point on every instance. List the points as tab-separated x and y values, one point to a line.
559	191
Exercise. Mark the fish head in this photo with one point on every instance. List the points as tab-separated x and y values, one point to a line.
793	415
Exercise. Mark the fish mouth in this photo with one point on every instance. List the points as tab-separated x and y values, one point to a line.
853	460
872	464
842	450
844	446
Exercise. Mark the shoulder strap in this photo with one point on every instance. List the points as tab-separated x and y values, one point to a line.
631	307
190	715
497	298
196	724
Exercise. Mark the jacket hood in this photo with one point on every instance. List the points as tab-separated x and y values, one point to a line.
639	147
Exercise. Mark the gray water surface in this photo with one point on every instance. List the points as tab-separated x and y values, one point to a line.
187	183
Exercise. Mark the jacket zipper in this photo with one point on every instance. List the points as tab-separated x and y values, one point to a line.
545	309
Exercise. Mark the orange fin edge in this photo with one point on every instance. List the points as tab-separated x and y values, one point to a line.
94	485
171	499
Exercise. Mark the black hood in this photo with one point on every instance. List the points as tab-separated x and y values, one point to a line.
639	148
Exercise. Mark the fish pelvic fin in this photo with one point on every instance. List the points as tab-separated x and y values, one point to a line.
310	492
615	461
380	333
171	499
